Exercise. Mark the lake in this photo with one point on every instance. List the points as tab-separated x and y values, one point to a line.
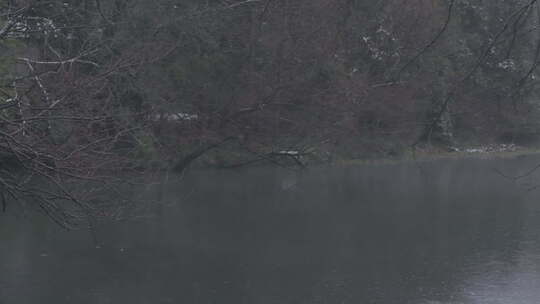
445	231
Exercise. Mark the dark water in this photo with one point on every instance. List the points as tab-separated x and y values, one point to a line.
432	232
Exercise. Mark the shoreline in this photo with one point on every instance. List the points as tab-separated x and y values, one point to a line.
315	158
423	155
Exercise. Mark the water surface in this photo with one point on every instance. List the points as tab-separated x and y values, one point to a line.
452	231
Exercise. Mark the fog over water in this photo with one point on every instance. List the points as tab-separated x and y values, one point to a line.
447	231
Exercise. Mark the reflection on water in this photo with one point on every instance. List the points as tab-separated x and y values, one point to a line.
514	279
433	232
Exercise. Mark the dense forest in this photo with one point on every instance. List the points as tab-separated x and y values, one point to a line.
93	88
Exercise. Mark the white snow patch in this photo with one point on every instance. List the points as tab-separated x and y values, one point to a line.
175	116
